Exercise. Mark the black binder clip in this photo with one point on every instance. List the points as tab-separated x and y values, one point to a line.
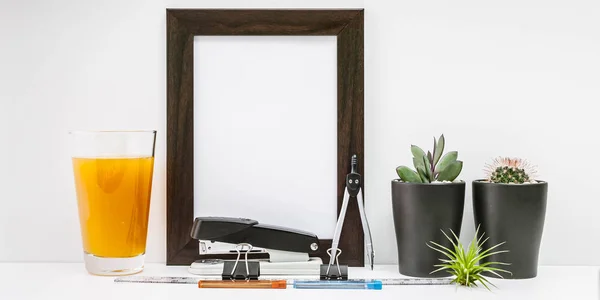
337	272
241	270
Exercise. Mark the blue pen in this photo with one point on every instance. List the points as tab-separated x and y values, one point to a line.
341	284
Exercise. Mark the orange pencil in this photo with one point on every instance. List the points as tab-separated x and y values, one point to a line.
246	284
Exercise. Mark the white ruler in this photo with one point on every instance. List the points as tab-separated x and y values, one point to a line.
194	280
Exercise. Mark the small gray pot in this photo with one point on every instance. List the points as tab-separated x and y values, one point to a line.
515	214
421	211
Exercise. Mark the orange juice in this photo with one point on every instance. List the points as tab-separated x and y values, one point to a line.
113	197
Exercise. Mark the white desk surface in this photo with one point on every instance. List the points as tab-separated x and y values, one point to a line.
70	281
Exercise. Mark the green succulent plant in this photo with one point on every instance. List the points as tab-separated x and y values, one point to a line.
432	166
464	264
510	170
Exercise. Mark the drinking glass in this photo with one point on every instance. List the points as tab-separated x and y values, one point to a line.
113	181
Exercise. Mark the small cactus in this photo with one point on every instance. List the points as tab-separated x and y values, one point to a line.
431	167
510	170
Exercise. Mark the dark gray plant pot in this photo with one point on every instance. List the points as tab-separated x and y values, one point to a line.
515	214
420	212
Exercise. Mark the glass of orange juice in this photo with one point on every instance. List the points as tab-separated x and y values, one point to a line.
113	181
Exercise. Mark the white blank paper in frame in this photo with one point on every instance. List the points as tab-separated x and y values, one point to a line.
265	130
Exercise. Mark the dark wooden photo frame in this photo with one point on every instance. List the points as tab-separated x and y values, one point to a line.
182	26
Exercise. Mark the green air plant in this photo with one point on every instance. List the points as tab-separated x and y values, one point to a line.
510	170
464	264
431	167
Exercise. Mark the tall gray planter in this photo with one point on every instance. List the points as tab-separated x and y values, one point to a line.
420	212
515	214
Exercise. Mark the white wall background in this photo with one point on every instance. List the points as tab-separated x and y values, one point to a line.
516	77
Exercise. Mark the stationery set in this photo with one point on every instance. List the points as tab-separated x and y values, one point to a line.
289	250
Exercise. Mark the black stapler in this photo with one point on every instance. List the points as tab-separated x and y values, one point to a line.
237	248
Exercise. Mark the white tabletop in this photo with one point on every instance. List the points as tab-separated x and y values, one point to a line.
71	281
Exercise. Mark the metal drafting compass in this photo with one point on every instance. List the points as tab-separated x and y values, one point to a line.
353	189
